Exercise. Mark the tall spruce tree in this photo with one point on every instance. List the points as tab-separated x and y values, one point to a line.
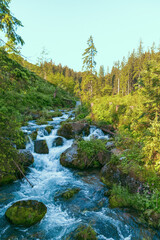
89	78
88	56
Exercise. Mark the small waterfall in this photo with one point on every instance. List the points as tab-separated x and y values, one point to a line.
96	133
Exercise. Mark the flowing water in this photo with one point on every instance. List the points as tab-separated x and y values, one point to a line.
89	206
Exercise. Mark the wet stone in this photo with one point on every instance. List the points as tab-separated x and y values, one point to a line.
58	141
68	194
26	213
40	146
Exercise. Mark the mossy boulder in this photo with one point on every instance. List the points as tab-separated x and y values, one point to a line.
27	156
66	131
69	157
34	135
83	232
70	130
80	128
68	194
49	129
152	218
113	174
26	213
58	141
85	155
10	158
40	146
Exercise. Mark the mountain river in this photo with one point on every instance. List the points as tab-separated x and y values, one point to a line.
89	206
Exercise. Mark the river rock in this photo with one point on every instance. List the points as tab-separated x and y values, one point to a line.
49	129
80	128
26	213
28	158
34	134
68	194
70	130
112	174
69	157
74	157
152	218
58	141
83	232
40	146
66	131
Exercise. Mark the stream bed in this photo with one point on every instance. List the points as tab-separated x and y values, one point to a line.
89	206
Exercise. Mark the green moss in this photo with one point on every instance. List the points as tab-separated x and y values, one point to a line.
85	232
66	131
106	182
58	141
34	135
9	178
49	129
152	218
68	194
8	157
41	121
56	114
26	213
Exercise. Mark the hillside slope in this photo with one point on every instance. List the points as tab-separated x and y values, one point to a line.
23	95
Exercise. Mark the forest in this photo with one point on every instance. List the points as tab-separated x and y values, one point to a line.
123	103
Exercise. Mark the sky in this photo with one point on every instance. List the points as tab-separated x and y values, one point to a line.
63	27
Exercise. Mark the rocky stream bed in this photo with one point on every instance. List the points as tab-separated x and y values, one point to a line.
52	185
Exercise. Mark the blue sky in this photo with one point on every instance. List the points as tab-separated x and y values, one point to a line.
64	26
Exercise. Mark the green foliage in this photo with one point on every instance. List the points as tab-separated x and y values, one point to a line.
9	23
82	111
23	96
151	147
120	197
91	148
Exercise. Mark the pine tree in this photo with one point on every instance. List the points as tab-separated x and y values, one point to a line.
88	56
8	23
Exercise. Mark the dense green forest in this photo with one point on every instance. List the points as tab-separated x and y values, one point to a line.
126	101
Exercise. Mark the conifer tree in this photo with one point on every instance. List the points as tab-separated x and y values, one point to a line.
9	23
101	71
88	56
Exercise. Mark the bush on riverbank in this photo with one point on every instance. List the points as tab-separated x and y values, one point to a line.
86	155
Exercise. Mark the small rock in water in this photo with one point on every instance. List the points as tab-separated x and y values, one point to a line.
26	213
40	146
68	194
83	232
49	129
34	134
58	141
